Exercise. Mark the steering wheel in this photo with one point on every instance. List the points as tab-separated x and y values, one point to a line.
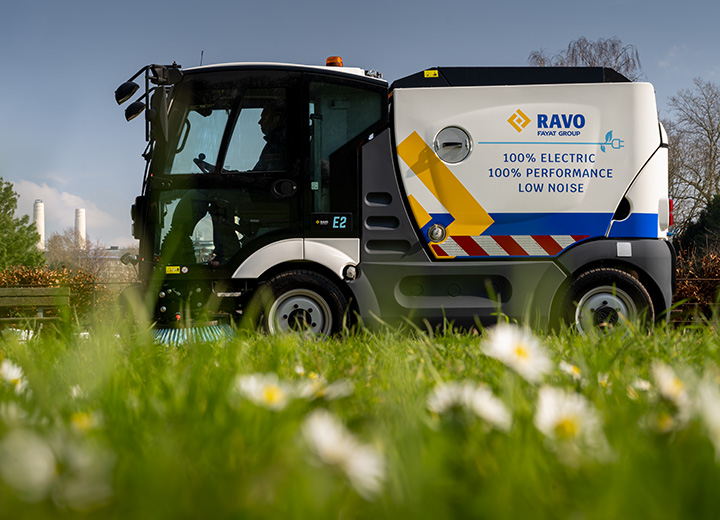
205	167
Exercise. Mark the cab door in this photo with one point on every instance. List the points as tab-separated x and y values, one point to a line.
227	183
341	114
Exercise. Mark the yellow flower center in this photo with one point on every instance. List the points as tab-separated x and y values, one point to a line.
521	351
676	387
81	421
567	428
273	394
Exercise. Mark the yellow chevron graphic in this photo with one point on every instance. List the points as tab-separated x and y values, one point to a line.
519	120
470	217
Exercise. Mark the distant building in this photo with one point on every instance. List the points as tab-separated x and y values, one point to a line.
113	270
39	220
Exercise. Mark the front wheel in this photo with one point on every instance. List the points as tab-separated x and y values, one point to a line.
603	299
302	301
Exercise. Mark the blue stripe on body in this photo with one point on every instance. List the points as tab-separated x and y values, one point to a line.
592	224
637	225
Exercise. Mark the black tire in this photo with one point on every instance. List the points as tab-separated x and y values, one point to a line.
606	298
301	300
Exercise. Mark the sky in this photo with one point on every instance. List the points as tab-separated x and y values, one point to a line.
64	140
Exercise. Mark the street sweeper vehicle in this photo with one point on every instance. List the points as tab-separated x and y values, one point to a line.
308	197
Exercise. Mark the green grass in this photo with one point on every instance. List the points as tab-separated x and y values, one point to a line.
138	430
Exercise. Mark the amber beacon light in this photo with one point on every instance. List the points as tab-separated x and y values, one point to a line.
334	61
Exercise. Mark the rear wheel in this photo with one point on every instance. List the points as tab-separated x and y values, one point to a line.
303	301
603	299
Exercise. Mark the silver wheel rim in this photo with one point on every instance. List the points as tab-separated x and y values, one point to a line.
300	310
603	308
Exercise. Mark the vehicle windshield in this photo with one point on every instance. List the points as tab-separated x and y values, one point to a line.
198	117
209	109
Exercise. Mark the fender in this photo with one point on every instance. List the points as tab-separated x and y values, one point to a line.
332	253
655	258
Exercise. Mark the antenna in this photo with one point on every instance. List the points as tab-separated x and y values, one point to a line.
201	56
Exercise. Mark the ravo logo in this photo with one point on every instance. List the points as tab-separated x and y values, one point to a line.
560	124
561	121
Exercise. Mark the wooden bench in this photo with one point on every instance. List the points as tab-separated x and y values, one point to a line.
31	303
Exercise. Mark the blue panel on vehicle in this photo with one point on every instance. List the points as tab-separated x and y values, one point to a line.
636	225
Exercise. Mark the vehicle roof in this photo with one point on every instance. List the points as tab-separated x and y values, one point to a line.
495	76
335	71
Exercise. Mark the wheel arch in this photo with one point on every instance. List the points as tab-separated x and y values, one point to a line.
652	265
315	267
327	257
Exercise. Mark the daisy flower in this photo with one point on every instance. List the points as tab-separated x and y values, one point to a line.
638	385
265	390
82	422
570	369
334	445
76	392
13	375
446	397
315	386
708	409
570	420
518	349
477	399
489	408
27	464
670	386
604	380
86	479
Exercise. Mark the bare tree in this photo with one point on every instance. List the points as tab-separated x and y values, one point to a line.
605	52
694	158
66	250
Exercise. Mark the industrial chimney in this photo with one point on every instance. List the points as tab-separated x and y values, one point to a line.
80	233
39	220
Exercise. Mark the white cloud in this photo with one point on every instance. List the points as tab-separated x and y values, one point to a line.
674	55
60	209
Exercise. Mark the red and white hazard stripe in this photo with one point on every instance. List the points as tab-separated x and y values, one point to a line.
505	245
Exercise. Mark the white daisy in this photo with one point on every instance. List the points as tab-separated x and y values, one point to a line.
27	464
571	421
477	399
708	408
311	387
638	385
337	389
518	349
604	380
489	408
447	396
335	446
570	369
670	386
642	385
315	386
86	481
76	392
82	422
264	390
13	375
